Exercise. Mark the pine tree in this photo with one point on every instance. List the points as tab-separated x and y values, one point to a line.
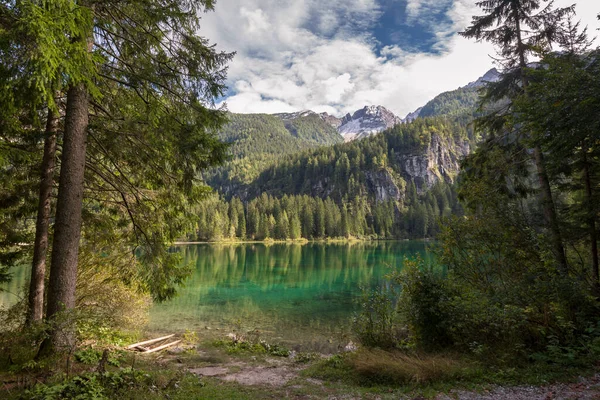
518	27
94	53
295	228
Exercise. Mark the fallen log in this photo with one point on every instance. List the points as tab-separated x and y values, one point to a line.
164	346
149	341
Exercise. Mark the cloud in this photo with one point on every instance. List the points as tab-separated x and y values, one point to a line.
418	9
322	55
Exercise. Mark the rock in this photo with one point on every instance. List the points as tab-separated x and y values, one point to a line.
384	186
209	371
350	347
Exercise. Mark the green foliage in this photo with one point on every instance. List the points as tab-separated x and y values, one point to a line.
376	324
18	345
302	216
423	304
88	355
460	104
91	386
260	140
241	345
91	356
304	358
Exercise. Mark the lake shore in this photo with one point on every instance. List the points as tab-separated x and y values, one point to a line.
302	241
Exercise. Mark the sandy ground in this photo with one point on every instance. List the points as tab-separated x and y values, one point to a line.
279	374
585	389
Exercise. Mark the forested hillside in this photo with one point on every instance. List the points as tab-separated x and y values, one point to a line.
396	184
257	140
454	103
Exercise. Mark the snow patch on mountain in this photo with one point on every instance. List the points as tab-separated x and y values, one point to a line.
491	76
366	122
413	115
294	115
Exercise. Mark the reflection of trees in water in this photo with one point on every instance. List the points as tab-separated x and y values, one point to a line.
14	290
278	287
294	265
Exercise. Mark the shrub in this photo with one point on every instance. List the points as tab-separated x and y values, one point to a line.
377	324
425	304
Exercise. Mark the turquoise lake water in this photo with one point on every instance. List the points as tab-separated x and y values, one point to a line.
302	295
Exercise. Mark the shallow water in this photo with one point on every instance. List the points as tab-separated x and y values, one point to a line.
300	295
303	296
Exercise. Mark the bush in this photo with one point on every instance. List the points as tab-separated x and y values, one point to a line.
235	344
425	304
377	324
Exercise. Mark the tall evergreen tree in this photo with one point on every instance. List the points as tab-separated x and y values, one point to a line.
107	56
517	28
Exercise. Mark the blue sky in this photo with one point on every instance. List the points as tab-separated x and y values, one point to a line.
339	55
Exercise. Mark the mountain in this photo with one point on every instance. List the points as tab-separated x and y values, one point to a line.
395	184
304	172
258	140
253	134
361	124
424	152
493	75
413	115
366	122
458	103
331	120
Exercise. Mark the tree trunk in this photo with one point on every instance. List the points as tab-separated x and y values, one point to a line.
35	310
538	158
549	210
67	228
591	220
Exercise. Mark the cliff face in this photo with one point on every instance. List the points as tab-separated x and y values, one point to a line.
438	162
385	185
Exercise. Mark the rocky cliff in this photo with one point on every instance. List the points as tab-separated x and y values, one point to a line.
438	162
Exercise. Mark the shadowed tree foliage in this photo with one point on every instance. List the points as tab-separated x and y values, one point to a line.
139	121
519	28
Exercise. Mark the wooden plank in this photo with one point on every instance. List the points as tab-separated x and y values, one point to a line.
164	346
149	341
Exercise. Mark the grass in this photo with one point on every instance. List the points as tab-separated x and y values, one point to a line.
428	374
366	373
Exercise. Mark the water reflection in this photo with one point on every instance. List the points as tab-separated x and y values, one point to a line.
13	291
299	294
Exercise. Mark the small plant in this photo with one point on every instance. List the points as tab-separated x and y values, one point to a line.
88	355
304	358
92	386
190	337
239	345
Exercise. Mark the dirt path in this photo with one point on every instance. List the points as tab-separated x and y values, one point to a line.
274	373
280	374
585	389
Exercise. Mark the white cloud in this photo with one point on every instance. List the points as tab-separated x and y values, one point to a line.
417	9
256	20
309	54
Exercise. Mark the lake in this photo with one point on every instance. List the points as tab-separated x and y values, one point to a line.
301	295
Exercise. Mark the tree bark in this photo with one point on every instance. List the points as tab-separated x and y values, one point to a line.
67	227
538	158
549	210
591	220
35	310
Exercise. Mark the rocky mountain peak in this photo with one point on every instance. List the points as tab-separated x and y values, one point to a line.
366	122
493	75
